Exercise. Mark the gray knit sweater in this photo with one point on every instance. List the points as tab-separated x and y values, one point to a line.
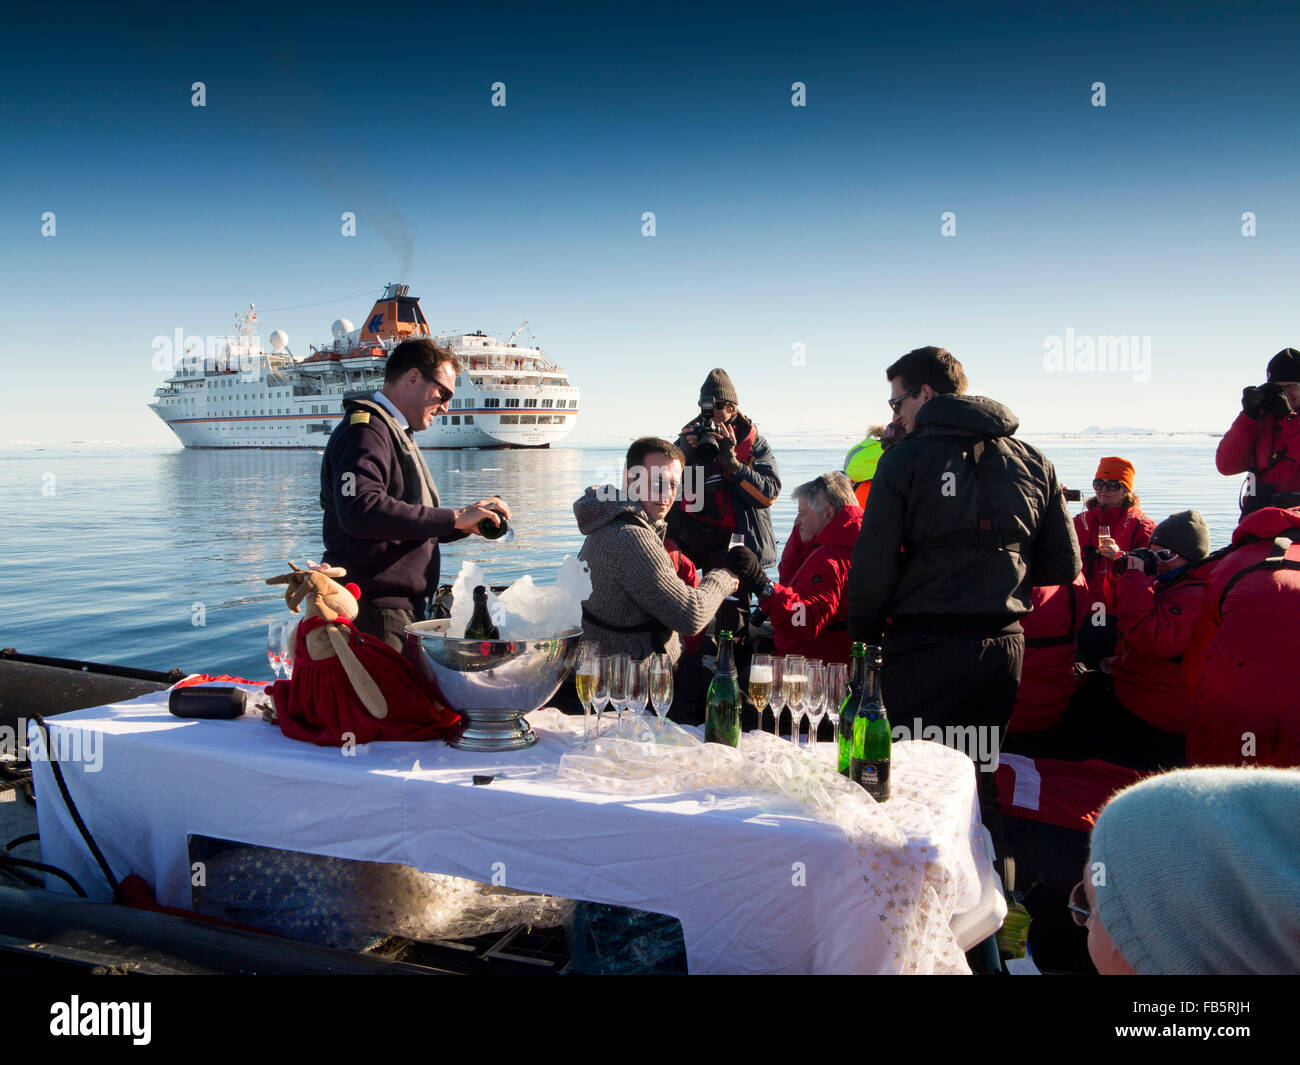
632	577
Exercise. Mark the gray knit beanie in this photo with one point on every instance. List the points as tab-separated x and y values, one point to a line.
1185	532
1202	871
718	387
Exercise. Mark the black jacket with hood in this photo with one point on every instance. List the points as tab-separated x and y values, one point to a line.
962	521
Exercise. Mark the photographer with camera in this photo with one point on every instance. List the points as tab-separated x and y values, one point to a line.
1264	441
1138	705
732	485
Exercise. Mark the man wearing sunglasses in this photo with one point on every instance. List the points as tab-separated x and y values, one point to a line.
383	517
962	520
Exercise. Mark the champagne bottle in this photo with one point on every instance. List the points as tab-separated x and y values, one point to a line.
722	708
844	735
480	626
869	759
490	531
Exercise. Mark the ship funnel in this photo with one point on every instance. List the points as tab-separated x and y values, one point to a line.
394	316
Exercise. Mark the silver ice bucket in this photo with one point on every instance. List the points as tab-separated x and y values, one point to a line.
492	684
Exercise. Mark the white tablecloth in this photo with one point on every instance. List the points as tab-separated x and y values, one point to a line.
758	885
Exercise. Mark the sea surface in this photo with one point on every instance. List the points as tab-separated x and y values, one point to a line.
155	557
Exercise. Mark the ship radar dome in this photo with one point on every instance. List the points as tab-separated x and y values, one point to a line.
279	340
340	327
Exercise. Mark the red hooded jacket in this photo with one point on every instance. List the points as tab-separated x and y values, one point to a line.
1251	445
808	609
1047	679
1240	664
1129	528
1155	621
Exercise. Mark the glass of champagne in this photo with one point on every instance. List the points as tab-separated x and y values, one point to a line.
1103	538
661	685
589	666
777	699
816	698
760	684
837	689
795	682
637	684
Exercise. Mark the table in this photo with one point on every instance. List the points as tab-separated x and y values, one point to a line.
758	885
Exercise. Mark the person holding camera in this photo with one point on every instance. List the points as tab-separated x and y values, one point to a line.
733	484
1139	703
1264	441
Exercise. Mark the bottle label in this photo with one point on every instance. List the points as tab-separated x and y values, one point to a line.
872	776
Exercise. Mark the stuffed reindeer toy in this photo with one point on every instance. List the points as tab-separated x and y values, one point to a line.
347	686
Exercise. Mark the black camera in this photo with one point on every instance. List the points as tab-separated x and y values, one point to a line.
1072	495
1259	401
1148	557
705	429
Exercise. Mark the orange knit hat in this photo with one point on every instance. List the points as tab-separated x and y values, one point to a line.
1116	469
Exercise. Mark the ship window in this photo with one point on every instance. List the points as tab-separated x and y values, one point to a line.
509	419
573	403
469	419
527	419
455	419
543	419
512	403
558	419
444	419
548	402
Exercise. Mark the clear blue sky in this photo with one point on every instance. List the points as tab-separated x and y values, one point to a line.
775	225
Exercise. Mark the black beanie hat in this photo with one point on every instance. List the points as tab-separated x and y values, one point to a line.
717	386
1184	532
1285	365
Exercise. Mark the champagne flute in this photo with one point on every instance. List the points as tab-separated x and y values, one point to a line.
777	699
837	690
274	643
637	685
816	698
661	685
585	679
795	682
600	690
619	665
760	684
1103	534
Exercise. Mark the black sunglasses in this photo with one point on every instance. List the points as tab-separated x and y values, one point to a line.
444	393
1163	554
896	403
1109	486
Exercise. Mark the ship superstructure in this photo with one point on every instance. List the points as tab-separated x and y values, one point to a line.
246	397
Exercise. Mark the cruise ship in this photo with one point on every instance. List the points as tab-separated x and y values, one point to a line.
245	397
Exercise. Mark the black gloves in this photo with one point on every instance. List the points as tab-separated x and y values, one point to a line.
1259	401
745	565
727	455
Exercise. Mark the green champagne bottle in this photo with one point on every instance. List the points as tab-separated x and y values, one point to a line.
480	625
490	531
844	735
869	759
722	710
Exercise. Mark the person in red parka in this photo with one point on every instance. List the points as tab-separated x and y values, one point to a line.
807	607
1245	702
1156	616
1047	677
1264	441
1114	506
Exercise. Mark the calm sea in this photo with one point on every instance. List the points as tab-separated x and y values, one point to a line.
156	557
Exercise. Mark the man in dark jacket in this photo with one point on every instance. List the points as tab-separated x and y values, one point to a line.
382	518
962	521
729	492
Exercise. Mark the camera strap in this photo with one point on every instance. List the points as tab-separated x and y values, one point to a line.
1276	560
